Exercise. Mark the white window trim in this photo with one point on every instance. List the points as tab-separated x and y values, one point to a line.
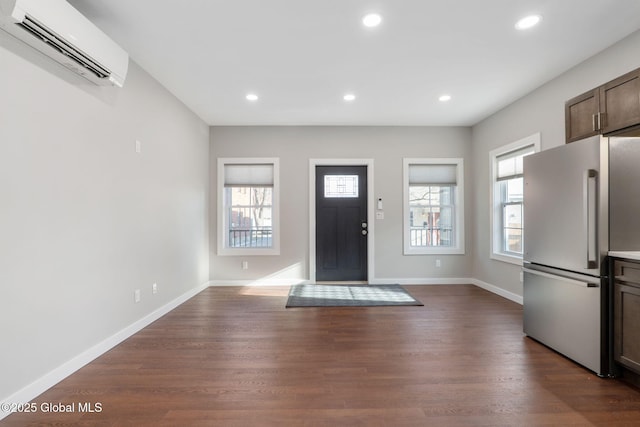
222	226
459	247
494	239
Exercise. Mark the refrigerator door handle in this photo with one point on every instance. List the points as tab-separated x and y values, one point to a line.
589	216
561	278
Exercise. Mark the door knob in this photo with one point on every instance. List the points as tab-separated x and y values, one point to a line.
364	225
364	232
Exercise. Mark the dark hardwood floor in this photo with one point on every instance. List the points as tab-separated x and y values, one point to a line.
235	356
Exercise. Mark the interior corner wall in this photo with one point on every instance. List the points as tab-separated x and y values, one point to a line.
540	111
295	146
84	219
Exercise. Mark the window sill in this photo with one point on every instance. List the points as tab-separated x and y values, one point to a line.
248	251
434	251
510	259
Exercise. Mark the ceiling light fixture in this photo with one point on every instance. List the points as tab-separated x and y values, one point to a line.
528	22
444	98
371	20
349	97
252	97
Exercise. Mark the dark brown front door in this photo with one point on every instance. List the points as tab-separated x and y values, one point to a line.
341	223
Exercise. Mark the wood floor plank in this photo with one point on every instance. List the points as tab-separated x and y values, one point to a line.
235	356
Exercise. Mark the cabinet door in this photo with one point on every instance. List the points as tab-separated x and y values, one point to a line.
581	116
620	102
626	322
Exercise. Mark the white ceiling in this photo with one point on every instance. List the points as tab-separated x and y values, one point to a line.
302	56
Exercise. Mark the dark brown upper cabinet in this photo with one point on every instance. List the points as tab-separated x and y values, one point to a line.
606	109
620	102
581	115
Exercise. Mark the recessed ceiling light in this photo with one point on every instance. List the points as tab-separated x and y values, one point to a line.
371	20
349	97
528	22
444	98
252	97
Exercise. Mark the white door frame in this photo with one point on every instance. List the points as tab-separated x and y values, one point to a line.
312	211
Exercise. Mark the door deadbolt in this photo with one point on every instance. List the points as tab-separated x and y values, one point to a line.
364	225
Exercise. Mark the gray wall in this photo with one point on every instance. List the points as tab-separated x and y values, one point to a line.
295	146
540	111
84	220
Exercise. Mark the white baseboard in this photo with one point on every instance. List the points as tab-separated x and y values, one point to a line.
44	383
498	291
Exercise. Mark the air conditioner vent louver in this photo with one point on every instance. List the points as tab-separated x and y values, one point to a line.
63	47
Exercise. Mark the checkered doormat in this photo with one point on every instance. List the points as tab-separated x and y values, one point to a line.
349	296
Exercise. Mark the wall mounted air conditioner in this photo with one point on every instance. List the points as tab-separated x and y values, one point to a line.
59	31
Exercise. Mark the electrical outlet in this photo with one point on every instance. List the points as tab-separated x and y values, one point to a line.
154	288
245	265
138	146
438	263
521	277
136	296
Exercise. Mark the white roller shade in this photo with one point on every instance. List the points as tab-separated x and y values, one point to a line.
247	175
434	174
510	165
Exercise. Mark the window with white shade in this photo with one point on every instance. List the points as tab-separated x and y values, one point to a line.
433	206
248	206
507	195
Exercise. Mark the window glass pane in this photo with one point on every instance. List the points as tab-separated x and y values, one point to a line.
431	216
513	240
434	196
513	216
419	224
444	226
446	195
419	195
514	190
445	219
340	186
512	220
249	216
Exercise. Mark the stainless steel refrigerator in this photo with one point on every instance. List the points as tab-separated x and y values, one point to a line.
581	200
